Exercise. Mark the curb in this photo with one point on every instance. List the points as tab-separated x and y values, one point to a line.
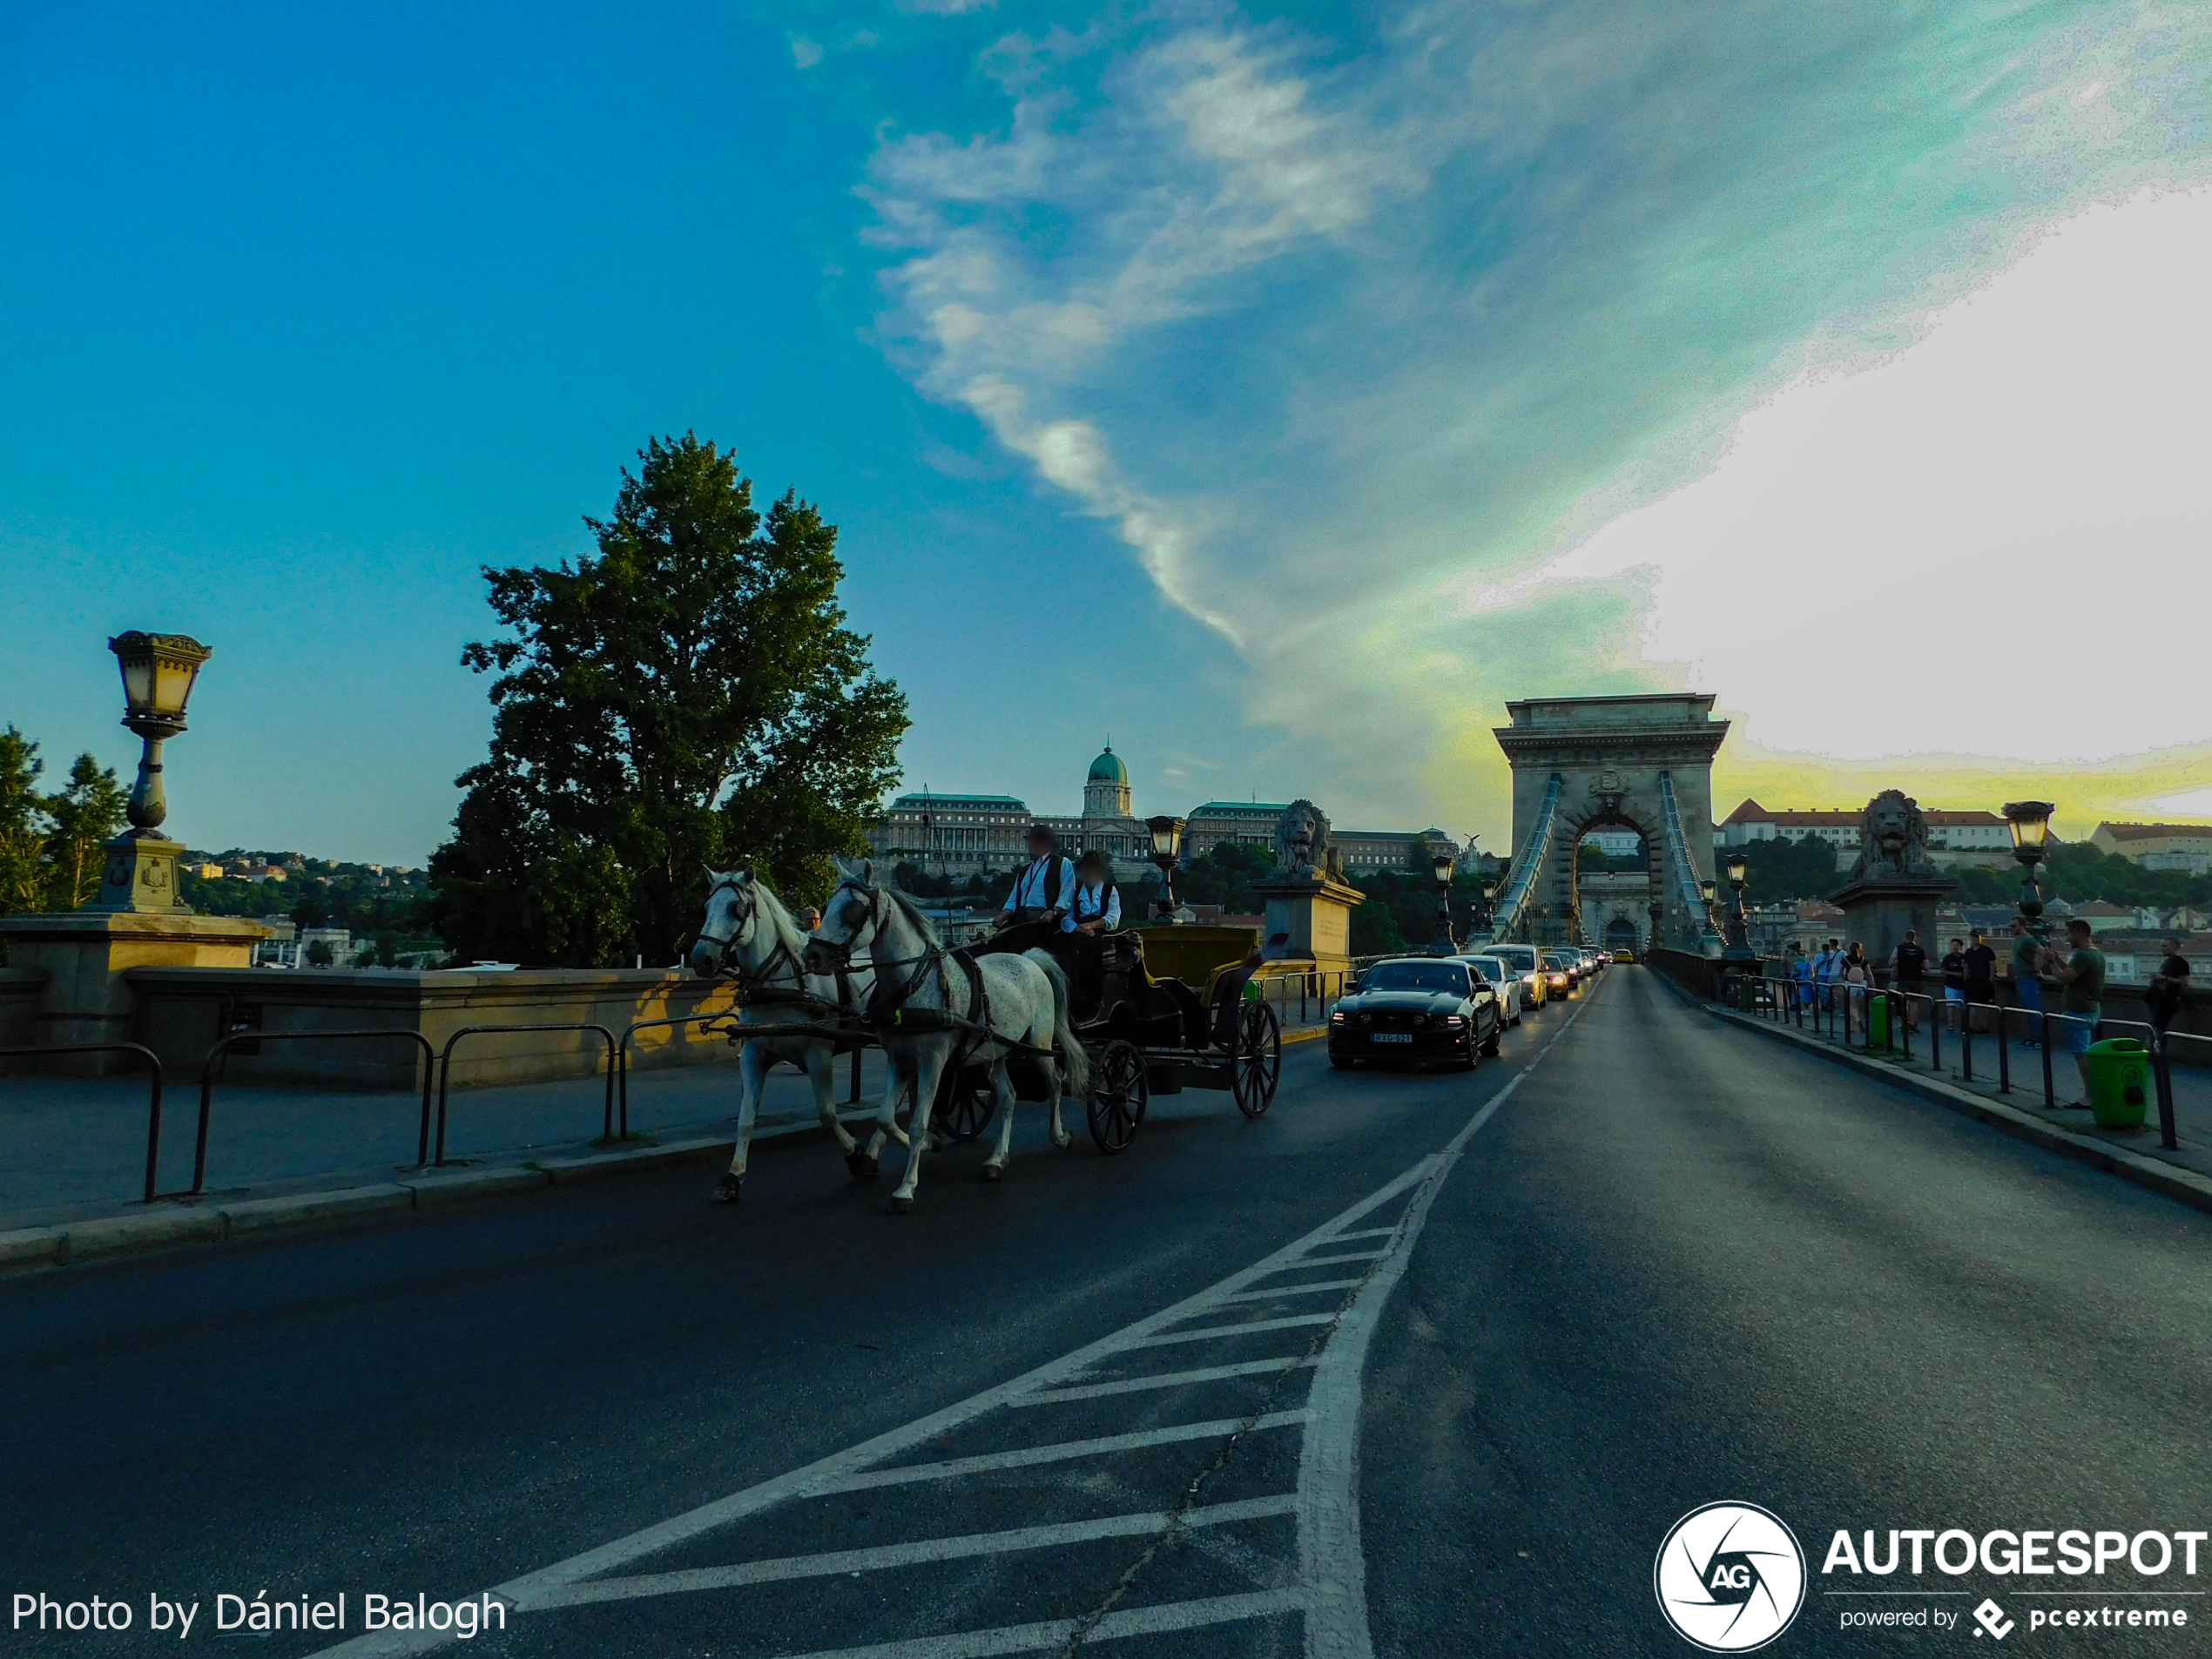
28	1249
2185	1186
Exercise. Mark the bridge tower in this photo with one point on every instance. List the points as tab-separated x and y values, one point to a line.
1585	763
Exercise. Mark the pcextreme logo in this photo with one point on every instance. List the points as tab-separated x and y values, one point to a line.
1730	1577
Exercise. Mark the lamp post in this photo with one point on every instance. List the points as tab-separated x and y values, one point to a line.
2030	825
1738	871
1483	916
1443	944
1167	848
159	671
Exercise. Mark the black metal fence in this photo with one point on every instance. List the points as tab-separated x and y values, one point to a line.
1884	1019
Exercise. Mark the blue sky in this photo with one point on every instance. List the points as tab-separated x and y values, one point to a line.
1275	390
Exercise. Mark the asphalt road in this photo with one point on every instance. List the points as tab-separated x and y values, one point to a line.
1677	1265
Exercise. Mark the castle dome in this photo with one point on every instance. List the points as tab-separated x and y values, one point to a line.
1108	768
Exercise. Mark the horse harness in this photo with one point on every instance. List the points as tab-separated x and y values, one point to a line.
887	1006
758	988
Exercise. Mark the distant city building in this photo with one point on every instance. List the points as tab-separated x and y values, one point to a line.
1954	838
968	835
2186	847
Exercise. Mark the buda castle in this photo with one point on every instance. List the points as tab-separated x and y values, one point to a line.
967	835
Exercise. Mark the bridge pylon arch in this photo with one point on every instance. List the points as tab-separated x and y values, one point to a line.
1643	763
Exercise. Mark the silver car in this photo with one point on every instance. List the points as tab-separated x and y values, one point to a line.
1511	988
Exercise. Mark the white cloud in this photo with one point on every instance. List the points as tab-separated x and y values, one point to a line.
1338	334
805	53
1995	543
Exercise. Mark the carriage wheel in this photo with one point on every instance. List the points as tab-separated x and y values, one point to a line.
1119	1094
964	1107
1257	1065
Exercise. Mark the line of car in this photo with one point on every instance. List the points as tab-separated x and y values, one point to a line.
1452	1009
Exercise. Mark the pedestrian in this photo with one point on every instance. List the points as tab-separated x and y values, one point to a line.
1954	980
1825	966
1908	972
2082	973
1981	980
810	919
1857	975
2168	988
1803	977
2027	976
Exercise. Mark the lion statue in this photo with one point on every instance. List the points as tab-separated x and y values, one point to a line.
1892	838
1303	850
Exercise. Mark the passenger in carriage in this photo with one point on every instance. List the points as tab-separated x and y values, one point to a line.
1098	907
1042	891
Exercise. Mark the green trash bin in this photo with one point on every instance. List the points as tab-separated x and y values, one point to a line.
1877	1021
2119	1082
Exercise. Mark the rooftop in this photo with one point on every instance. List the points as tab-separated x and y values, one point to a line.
2147	832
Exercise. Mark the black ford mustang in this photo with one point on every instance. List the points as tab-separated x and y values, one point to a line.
1416	1007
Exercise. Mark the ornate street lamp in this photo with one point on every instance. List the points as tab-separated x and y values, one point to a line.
1485	915
1443	944
159	671
1167	848
2030	825
1738	871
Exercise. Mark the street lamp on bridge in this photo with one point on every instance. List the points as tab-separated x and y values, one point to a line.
1738	871
1443	944
2031	826
1167	847
159	671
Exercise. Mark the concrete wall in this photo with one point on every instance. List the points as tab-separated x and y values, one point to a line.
22	991
181	1012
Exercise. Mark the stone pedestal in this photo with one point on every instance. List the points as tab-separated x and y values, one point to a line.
85	953
1308	919
141	876
1878	911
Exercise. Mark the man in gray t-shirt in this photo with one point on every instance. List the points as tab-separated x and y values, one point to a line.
2082	973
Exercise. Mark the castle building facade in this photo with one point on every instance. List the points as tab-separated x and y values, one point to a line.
968	835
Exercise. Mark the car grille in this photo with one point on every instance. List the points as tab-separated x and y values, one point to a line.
1397	1020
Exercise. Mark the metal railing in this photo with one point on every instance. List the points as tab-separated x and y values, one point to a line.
445	1070
154	1104
223	1047
705	1023
1840	1010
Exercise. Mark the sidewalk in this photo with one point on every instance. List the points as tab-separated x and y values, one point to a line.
2192	1089
73	1149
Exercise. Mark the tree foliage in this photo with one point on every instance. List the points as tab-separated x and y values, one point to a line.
690	696
49	844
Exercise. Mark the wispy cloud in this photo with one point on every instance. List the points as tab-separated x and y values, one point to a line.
1348	338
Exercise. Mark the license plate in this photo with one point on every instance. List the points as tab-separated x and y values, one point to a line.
1393	1036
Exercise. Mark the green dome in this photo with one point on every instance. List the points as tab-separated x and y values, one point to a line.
1108	768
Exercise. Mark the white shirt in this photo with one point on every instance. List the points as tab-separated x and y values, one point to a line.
1087	899
1029	890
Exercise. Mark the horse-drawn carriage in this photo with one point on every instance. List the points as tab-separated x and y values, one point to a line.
1145	1036
971	1028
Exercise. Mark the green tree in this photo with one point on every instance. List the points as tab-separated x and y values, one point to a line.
23	824
83	814
1375	931
690	696
319	953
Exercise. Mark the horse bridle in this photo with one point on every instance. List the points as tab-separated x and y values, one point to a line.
747	908
931	956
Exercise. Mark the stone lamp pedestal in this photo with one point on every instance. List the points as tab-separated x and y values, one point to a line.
1878	910
87	954
1310	919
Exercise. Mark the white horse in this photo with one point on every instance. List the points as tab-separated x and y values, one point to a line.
747	924
933	1009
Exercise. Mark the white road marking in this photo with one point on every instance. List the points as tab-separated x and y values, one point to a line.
1062	1452
1213	1333
1164	1379
1035	1638
907	1555
1293	1289
1331	1581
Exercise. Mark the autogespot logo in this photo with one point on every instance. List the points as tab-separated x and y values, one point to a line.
1730	1577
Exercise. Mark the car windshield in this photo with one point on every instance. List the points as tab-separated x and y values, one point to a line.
1559	958
1418	976
1483	972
